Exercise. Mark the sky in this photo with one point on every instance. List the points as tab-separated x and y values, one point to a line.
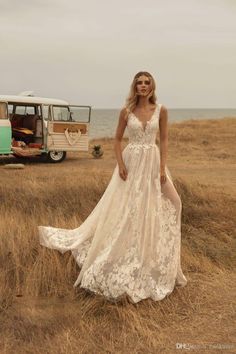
87	52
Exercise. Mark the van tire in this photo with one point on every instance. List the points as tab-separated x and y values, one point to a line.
56	156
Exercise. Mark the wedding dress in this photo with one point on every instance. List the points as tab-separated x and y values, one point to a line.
130	243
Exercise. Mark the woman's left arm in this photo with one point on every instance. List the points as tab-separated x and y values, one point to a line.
163	128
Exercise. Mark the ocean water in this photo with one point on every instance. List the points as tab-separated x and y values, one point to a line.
103	122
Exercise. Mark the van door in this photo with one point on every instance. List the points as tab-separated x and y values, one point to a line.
5	130
68	129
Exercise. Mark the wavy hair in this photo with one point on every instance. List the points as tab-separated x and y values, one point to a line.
133	98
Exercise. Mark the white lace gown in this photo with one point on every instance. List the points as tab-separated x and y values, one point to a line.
130	243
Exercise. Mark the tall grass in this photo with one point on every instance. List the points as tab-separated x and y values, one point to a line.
63	196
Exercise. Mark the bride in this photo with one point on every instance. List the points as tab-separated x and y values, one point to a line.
130	244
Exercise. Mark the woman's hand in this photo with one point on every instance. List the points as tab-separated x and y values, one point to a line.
123	171
163	176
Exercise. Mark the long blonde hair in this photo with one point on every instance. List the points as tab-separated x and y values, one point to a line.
133	98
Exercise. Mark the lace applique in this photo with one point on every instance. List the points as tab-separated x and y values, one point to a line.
128	271
127	274
142	138
81	254
137	147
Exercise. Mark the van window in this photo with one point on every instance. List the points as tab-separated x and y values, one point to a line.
3	110
25	110
80	113
61	113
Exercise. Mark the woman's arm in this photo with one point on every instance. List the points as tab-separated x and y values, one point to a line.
163	128
117	144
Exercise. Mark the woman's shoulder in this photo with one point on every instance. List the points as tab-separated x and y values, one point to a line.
124	110
162	107
124	113
163	112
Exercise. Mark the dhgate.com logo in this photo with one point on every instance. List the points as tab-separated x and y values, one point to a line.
219	346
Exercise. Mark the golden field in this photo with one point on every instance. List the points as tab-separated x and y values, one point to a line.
41	312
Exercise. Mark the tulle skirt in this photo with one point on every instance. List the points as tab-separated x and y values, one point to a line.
130	244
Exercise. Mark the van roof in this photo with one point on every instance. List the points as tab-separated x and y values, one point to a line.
32	99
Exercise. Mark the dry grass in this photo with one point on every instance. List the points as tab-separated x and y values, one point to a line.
40	310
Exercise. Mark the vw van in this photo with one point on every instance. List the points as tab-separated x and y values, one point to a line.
34	126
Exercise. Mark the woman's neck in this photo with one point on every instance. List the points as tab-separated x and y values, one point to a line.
143	102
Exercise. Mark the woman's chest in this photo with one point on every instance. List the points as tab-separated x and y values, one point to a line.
135	126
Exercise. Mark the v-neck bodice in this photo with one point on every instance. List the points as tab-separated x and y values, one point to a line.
139	134
147	121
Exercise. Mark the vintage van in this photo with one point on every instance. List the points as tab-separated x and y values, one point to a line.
31	126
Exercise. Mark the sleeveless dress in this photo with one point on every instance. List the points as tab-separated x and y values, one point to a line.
130	243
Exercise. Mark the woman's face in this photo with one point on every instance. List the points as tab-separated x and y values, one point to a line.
143	85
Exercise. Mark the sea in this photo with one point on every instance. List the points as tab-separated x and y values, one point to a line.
103	122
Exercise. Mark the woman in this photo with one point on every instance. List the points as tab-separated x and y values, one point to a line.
130	243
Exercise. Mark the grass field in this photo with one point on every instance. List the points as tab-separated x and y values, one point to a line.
41	312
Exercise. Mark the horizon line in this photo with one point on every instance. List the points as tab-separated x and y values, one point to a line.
172	108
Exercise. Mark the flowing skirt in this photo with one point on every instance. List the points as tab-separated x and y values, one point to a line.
130	243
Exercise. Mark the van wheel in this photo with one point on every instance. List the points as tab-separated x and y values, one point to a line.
56	156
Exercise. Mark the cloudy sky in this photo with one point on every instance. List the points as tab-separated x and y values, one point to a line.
87	52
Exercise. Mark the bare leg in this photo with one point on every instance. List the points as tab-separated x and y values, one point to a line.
169	191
